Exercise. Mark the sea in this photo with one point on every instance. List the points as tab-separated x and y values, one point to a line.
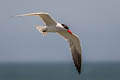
59	71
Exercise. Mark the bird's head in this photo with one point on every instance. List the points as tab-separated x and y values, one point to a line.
67	28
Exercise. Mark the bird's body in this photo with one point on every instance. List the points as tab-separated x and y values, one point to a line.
52	26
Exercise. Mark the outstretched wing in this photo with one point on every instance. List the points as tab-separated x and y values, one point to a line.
76	52
47	19
75	48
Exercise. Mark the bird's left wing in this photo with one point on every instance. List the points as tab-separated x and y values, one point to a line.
47	19
75	48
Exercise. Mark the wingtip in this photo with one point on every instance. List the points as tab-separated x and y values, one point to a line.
79	72
32	14
19	15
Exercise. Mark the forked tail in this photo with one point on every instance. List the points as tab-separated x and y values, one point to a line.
41	29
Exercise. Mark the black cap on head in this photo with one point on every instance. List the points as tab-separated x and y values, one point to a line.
65	26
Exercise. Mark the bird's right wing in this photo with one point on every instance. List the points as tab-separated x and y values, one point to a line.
47	19
75	48
76	52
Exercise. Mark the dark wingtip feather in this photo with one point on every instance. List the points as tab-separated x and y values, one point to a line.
79	72
77	60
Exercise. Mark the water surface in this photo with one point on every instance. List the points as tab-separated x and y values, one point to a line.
59	71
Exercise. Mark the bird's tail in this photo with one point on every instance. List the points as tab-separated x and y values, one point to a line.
40	29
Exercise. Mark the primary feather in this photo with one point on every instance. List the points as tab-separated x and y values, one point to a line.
47	19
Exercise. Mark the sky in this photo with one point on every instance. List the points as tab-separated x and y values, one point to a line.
96	22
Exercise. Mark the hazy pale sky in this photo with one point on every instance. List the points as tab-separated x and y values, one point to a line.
96	22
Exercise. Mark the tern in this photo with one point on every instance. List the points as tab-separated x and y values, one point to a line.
63	30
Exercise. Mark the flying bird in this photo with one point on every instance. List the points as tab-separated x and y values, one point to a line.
63	30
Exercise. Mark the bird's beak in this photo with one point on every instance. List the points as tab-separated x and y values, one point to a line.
69	31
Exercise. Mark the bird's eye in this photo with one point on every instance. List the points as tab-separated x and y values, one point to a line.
65	26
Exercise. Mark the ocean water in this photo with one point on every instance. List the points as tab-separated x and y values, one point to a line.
59	71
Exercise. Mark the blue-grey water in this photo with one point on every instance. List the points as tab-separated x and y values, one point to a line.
59	71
